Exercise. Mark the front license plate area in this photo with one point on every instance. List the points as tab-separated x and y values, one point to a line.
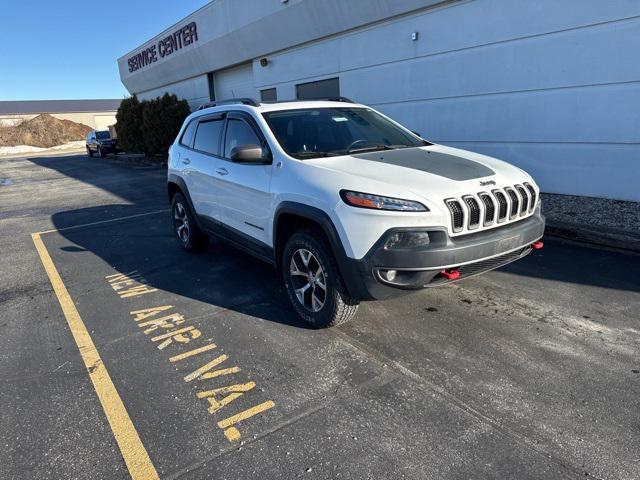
509	243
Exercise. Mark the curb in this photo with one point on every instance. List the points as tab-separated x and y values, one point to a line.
618	239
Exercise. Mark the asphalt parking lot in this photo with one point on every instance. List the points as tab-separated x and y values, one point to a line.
531	371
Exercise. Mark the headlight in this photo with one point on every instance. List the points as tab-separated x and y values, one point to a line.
407	240
376	202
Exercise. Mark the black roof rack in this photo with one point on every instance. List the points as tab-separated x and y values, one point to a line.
253	103
338	99
243	101
325	99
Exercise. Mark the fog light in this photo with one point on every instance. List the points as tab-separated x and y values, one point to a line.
389	275
400	240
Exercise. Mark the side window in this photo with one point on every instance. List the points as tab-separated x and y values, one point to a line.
189	132
239	133
208	136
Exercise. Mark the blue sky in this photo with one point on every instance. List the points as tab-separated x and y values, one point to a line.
68	48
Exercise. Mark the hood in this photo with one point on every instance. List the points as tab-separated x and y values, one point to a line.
433	171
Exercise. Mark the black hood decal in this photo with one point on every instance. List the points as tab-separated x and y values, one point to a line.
442	164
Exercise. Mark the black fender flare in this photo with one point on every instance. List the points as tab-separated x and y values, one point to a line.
182	186
350	274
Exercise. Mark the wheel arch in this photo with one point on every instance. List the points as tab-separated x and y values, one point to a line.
176	184
291	217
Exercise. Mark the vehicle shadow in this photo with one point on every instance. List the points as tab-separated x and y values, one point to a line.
221	276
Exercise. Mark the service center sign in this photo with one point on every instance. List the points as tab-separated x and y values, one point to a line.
165	47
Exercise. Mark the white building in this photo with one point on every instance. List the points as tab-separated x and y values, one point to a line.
97	114
552	86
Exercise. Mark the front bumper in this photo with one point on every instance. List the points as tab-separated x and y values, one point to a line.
109	147
420	268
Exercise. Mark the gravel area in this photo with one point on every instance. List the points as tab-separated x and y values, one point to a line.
597	220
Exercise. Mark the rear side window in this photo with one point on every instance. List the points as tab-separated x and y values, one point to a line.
208	136
239	133
189	132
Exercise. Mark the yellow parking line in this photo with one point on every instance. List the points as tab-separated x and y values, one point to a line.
135	455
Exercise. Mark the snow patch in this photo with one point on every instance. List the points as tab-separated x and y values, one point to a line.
20	149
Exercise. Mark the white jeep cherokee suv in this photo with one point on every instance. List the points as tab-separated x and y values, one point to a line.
347	204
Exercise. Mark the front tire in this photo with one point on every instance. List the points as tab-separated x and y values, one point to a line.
187	232
313	282
89	152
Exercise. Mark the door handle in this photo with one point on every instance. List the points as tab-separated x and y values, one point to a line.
222	171
186	161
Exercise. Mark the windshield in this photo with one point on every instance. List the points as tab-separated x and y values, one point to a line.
326	132
103	135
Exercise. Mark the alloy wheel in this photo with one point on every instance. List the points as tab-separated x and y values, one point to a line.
181	222
308	280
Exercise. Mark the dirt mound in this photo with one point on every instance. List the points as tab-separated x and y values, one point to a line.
43	131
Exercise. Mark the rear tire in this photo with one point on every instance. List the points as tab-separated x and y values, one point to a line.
185	228
313	282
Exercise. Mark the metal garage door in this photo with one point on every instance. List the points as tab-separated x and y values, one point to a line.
235	82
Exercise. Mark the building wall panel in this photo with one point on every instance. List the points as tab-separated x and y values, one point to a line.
193	90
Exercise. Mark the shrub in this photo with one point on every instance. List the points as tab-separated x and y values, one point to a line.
129	125
161	122
151	126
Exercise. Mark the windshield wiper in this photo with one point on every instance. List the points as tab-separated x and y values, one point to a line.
310	154
375	148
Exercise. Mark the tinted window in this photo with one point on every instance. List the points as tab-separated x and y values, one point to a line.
103	135
208	136
324	132
316	90
239	133
269	95
189	132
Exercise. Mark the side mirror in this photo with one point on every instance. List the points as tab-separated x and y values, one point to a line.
249	154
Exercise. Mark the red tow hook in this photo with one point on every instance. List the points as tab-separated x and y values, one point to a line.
537	245
451	274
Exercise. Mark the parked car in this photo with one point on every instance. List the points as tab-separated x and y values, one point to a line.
346	203
101	143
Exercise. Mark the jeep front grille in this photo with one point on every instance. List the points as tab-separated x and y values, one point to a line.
525	200
474	212
457	215
533	196
485	209
502	205
489	208
515	203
